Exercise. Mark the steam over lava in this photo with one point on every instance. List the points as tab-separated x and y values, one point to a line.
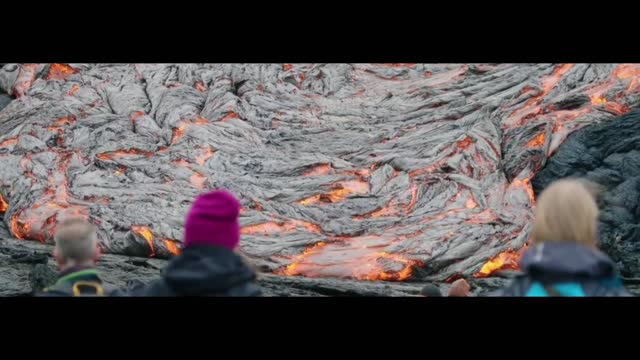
367	171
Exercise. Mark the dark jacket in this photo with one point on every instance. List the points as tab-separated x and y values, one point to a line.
565	269
205	271
78	281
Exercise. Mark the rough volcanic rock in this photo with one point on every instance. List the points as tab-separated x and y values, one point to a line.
607	154
364	171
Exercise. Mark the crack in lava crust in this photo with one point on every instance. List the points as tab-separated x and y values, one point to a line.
365	171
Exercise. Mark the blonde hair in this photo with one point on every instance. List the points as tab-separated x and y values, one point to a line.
567	211
76	240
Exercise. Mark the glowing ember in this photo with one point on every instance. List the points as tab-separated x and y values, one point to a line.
536	141
287	67
206	154
507	260
121	170
60	71
322	169
146	233
3	205
198	180
172	247
120	153
9	142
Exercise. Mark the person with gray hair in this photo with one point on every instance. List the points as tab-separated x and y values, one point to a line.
76	253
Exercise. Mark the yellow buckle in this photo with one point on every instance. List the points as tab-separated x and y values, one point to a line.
78	285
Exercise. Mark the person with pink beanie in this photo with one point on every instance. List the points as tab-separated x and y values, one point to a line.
208	264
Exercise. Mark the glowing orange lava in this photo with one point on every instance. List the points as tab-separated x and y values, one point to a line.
146	233
361	258
287	67
198	180
341	191
273	227
60	71
465	143
507	260
525	184
470	203
536	141
322	169
199	85
19	229
74	89
135	115
229	116
597	100
172	247
3	205
120	153
626	71
9	142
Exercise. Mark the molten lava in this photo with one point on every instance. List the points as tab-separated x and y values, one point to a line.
525	184
507	260
60	72
198	180
135	115
361	258
73	90
341	191
3	205
121	153
172	247
322	169
536	141
199	85
9	142
146	234
273	227
19	229
229	116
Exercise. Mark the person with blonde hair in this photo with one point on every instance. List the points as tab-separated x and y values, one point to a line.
76	253
563	259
